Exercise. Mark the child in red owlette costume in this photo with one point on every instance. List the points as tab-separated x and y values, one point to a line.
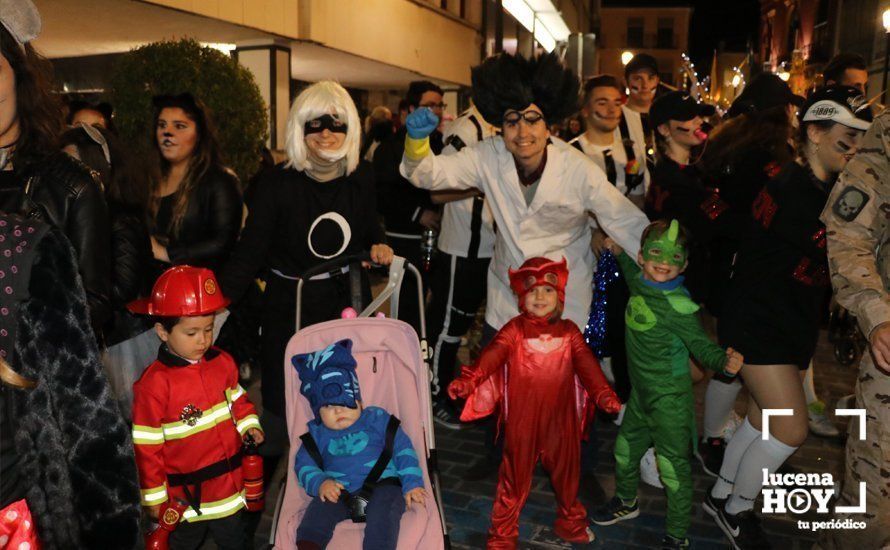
544	378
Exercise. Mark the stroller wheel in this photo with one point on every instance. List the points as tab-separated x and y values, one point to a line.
846	351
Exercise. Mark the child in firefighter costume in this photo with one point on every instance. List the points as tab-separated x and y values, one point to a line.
536	370
190	416
662	330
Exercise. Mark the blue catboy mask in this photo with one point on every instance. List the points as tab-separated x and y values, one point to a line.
328	376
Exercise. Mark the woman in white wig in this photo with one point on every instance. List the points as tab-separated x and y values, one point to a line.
318	206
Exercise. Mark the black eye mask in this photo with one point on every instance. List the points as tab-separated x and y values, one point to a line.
325	122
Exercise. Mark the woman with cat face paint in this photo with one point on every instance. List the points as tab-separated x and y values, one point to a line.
318	206
774	304
196	205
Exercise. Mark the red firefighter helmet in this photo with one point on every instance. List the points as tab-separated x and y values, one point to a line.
540	271
182	291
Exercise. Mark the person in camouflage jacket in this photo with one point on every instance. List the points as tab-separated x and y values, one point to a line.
857	218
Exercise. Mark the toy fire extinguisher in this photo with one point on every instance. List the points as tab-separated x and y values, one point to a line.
168	519
252	473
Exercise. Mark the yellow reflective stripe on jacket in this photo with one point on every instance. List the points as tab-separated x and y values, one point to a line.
217	509
209	419
235	393
146	435
155	495
248	422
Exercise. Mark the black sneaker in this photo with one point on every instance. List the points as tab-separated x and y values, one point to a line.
743	530
614	511
712	505
710	454
673	543
444	416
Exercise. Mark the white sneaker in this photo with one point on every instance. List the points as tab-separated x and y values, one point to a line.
649	469
620	418
846	402
819	421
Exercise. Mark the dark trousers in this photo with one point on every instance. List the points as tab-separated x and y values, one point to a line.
619	295
409	308
384	512
458	287
229	533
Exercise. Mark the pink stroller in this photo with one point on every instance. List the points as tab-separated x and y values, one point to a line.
393	374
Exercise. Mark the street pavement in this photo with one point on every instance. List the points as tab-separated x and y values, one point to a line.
468	503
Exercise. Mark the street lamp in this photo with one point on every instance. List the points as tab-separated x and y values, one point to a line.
627	56
886	20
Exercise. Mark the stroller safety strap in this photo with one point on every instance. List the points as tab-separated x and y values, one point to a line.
385	456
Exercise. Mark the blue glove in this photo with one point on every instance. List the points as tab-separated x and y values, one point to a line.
421	123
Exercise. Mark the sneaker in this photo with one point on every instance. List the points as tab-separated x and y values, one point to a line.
614	511
819	422
743	530
710	454
712	505
673	543
444	416
649	469
846	402
483	468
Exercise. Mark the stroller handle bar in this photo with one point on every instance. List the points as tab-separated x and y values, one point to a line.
336	263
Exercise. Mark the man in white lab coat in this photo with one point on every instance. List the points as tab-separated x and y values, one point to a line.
542	191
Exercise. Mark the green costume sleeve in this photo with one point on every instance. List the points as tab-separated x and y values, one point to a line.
690	331
628	265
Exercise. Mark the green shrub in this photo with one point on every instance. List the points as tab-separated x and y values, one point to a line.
228	90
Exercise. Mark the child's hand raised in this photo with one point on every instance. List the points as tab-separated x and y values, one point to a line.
256	434
417	495
734	361
612	246
460	389
330	490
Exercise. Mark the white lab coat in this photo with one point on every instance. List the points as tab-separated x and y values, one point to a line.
556	224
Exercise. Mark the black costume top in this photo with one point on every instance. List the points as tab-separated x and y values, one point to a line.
210	226
63	192
780	278
678	192
296	223
400	202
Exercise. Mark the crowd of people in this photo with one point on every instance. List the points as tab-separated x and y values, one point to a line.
716	237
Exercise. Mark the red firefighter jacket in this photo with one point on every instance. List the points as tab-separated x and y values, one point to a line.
188	424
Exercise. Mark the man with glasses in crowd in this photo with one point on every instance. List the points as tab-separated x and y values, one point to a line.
408	211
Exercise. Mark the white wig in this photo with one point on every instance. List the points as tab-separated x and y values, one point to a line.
323	98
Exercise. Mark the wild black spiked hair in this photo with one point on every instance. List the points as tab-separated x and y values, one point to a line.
504	82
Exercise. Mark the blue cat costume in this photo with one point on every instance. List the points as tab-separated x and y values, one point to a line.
328	377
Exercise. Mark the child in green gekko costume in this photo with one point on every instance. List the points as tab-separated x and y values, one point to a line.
662	331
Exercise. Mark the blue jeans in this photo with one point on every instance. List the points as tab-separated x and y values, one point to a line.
384	512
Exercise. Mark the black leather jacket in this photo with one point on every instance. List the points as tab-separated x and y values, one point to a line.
65	193
211	223
131	272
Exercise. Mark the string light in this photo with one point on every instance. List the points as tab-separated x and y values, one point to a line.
595	331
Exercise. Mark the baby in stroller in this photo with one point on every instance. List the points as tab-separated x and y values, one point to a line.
356	463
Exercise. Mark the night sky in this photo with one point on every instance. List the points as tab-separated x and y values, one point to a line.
709	27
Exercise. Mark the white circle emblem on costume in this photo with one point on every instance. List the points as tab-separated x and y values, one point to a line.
344	228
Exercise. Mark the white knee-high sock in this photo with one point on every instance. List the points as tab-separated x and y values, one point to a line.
769	455
809	390
735	450
719	401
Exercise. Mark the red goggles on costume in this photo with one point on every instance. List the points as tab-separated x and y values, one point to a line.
540	272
